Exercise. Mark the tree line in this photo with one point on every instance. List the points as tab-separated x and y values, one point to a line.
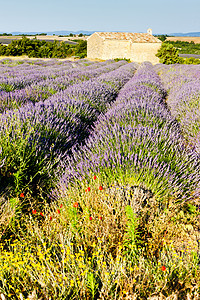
44	49
168	54
186	47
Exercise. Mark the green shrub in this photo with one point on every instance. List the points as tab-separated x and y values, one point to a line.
81	49
168	54
126	59
191	61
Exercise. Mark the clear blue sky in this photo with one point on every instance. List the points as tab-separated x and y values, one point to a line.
163	16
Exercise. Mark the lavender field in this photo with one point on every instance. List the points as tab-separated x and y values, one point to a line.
99	180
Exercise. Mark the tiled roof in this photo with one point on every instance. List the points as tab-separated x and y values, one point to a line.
134	37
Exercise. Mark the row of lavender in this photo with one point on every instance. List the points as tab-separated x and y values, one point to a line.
183	85
20	85
137	142
35	137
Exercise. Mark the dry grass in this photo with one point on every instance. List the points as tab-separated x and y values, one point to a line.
194	39
86	246
25	57
46	37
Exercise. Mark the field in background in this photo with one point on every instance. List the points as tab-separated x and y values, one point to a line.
25	57
195	39
8	39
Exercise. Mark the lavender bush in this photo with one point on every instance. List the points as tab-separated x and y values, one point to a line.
42	83
183	85
138	142
49	129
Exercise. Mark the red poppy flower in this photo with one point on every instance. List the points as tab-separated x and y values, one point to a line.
95	177
34	211
75	204
100	188
88	189
163	268
41	214
90	218
61	205
22	195
50	218
100	218
58	211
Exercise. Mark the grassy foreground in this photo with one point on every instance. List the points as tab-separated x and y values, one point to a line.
93	244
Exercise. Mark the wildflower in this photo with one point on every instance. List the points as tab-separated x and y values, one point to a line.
88	189
21	195
50	218
90	218
95	177
131	269
100	218
61	205
58	211
100	188
41	214
34	211
163	268
75	204
71	282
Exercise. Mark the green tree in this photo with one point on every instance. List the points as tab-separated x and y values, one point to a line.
162	37
168	54
81	49
3	49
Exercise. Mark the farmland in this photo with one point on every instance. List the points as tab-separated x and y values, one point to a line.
99	180
195	39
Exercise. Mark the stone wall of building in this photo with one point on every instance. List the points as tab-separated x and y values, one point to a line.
144	52
95	47
100	48
116	49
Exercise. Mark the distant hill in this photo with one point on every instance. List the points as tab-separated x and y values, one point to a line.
84	32
61	32
195	34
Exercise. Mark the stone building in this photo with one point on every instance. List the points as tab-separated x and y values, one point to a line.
137	47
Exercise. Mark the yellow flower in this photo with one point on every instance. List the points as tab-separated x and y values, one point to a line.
71	282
